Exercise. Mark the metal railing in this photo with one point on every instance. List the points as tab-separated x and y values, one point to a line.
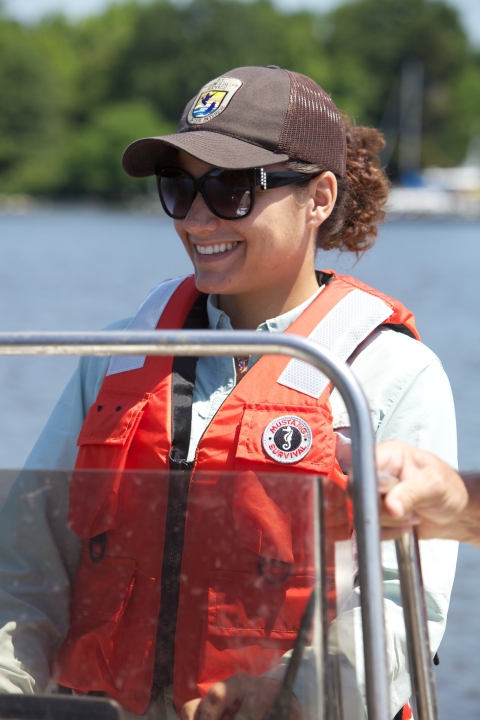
415	613
367	526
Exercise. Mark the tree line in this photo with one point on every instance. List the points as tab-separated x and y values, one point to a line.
73	95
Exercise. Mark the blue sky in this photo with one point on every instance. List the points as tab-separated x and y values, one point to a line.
29	10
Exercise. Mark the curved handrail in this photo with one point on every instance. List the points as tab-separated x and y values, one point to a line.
234	343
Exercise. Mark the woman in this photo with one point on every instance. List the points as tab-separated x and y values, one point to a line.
262	172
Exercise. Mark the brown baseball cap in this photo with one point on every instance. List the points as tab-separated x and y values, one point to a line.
251	117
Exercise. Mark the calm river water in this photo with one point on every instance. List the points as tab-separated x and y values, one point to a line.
80	269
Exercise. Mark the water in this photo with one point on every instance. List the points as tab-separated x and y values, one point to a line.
77	269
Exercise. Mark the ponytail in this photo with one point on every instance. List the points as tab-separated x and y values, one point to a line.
362	193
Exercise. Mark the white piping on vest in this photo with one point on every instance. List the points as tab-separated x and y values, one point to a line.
341	331
147	317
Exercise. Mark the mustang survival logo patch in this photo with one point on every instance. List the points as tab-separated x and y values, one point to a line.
287	439
212	99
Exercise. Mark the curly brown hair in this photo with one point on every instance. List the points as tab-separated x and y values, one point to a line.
362	192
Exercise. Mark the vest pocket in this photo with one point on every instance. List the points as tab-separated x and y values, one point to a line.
250	624
93	655
102	590
260	523
112	418
244	605
284	438
104	442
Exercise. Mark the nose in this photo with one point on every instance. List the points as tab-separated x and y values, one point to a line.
200	220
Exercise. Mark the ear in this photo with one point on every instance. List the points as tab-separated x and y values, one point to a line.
322	190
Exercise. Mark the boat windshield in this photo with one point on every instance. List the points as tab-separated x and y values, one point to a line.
123	590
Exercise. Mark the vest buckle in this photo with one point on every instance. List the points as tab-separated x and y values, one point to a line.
96	547
274	572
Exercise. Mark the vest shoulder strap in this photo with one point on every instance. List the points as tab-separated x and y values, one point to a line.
347	312
147	318
402	319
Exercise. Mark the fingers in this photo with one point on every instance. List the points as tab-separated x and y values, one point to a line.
390	457
429	493
259	695
222	700
407	498
424	480
394	510
386	481
395	526
189	710
242	696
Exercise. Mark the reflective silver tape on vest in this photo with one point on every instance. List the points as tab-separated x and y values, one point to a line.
341	332
147	317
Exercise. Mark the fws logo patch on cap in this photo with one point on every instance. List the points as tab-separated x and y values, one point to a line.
212	99
287	439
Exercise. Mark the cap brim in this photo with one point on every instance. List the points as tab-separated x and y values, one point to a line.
142	157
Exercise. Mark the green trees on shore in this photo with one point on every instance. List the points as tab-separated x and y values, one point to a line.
74	94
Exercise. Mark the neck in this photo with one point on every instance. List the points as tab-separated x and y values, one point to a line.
247	311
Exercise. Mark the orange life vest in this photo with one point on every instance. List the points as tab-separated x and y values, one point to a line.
173	583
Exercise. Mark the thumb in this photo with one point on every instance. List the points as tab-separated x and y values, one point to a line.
403	499
391	457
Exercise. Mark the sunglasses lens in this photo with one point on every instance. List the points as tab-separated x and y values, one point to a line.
176	192
229	192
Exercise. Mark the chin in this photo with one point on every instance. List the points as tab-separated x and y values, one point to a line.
211	285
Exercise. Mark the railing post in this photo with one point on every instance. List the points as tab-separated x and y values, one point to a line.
416	628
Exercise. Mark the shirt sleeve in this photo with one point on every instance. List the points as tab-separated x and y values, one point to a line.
410	399
39	554
56	447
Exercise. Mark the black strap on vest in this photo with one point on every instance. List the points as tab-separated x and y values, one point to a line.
183	381
324	278
400	328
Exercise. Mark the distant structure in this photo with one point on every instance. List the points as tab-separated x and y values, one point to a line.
433	191
402	123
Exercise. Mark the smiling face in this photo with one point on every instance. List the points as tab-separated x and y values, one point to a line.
263	261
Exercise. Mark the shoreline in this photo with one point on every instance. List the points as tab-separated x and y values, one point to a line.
404	204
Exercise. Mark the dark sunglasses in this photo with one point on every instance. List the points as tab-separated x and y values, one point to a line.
229	194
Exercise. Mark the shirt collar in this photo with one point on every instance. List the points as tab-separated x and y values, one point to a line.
218	320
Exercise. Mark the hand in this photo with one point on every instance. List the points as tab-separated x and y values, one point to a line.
430	495
242	696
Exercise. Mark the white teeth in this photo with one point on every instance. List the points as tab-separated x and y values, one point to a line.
213	249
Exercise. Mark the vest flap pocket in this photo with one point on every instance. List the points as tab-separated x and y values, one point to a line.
93	656
284	437
112	418
244	605
102	590
104	441
261	524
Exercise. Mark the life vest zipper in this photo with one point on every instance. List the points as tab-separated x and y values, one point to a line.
172	561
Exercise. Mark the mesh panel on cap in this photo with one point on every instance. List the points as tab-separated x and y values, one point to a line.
313	130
